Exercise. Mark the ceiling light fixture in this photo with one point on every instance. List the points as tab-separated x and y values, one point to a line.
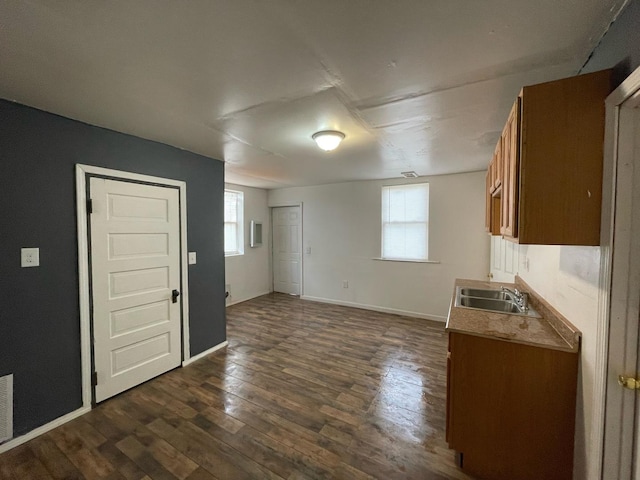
328	140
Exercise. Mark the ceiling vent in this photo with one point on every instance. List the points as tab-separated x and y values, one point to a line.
411	174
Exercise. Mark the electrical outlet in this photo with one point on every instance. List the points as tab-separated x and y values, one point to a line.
345	284
30	257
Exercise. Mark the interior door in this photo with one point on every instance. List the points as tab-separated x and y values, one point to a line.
287	269
621	458
135	280
634	294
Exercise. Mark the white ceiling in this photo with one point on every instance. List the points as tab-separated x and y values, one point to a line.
414	84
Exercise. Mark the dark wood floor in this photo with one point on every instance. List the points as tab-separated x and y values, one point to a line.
304	390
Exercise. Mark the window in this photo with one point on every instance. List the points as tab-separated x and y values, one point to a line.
405	222
233	221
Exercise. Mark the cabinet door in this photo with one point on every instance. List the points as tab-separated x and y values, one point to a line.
487	219
511	408
497	164
510	172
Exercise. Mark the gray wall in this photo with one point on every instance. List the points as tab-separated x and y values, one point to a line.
39	313
620	47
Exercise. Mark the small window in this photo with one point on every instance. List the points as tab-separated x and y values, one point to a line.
405	222
233	221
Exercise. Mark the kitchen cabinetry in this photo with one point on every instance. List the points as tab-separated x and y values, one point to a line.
494	188
511	408
551	163
510	141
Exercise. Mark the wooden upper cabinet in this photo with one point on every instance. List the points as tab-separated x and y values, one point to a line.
487	217
510	141
497	165
493	192
551	170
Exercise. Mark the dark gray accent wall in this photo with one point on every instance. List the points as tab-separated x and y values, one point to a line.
39	312
620	47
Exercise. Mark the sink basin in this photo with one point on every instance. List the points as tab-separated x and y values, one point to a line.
492	300
489	304
488	293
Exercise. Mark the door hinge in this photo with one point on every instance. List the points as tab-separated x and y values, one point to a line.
89	206
94	378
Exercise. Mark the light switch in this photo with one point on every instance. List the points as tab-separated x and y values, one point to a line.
30	257
192	258
308	250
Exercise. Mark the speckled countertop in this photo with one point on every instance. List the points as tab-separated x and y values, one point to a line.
551	331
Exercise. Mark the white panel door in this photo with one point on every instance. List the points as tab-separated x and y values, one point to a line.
621	459
135	266
287	269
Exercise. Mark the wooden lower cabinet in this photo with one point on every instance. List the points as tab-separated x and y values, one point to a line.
511	408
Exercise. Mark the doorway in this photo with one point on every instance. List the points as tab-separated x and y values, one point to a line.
133	278
287	249
620	280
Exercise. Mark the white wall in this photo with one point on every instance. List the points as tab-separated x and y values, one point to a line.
567	277
341	225
249	275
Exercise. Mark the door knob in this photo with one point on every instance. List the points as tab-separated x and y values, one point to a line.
174	296
629	382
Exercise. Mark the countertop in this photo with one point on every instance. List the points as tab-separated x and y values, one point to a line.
551	331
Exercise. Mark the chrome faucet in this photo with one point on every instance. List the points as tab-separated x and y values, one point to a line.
521	298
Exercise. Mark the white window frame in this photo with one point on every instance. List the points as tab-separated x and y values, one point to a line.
386	222
239	223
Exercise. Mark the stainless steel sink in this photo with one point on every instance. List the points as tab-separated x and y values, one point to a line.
492	300
489	293
489	304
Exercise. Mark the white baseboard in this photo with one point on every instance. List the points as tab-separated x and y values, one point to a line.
43	429
233	302
205	353
376	308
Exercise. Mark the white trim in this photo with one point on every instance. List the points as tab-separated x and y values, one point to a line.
83	262
376	308
609	406
405	260
205	353
285	204
247	299
36	432
83	285
604	291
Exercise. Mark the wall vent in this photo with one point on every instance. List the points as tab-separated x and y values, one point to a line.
6	408
411	174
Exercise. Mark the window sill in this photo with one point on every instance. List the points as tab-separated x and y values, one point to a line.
405	260
233	254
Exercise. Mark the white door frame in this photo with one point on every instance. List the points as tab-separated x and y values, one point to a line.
300	237
613	437
83	262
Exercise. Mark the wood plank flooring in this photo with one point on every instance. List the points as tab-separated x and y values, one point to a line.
303	391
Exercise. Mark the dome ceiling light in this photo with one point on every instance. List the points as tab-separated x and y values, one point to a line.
328	140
